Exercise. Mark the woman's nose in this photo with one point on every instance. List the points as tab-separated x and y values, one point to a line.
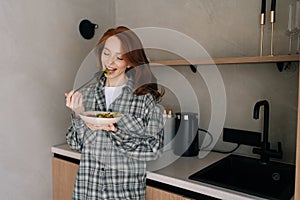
112	59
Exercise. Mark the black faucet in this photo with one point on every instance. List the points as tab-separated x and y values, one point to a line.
264	151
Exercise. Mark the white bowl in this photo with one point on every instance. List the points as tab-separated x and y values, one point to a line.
98	120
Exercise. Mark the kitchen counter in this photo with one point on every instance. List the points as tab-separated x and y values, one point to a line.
176	174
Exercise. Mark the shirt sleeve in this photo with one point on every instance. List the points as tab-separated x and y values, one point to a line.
77	133
140	138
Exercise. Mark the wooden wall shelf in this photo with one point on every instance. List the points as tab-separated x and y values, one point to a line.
233	60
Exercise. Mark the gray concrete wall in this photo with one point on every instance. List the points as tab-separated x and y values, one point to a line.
227	29
41	53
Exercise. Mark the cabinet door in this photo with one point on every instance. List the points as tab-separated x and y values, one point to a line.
153	193
63	178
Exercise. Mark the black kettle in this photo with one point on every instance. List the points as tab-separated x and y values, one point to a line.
186	138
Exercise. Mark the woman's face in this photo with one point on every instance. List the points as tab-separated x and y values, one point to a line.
112	60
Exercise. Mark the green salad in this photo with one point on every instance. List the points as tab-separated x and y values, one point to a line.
107	115
106	71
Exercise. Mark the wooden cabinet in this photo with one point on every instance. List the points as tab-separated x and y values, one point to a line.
64	175
63	178
153	193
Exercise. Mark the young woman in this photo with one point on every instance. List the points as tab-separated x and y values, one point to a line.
113	157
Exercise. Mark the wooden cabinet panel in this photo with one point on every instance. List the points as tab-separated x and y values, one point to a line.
64	175
63	178
153	193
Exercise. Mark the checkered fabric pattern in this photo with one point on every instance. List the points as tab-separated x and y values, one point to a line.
113	164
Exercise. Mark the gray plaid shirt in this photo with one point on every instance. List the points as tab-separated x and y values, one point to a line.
113	164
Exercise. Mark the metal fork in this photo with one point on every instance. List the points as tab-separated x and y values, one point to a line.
96	75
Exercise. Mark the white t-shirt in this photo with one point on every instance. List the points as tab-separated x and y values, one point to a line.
111	93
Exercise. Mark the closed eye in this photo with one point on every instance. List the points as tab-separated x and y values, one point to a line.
106	52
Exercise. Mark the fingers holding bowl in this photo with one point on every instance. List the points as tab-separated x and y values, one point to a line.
108	127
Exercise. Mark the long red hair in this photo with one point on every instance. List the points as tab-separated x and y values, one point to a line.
135	56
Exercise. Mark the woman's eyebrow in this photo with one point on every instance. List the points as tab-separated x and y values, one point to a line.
105	48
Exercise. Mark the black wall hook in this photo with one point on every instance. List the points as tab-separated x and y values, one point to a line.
87	29
193	68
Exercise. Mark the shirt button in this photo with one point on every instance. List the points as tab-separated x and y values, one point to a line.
102	171
104	148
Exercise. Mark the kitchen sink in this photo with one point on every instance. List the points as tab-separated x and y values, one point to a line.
273	180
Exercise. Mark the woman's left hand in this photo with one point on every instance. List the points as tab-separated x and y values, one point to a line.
109	127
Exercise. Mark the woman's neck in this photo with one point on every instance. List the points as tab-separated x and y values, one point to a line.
117	81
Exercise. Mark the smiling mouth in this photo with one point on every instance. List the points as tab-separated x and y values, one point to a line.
109	70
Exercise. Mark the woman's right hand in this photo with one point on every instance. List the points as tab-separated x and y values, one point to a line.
74	102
